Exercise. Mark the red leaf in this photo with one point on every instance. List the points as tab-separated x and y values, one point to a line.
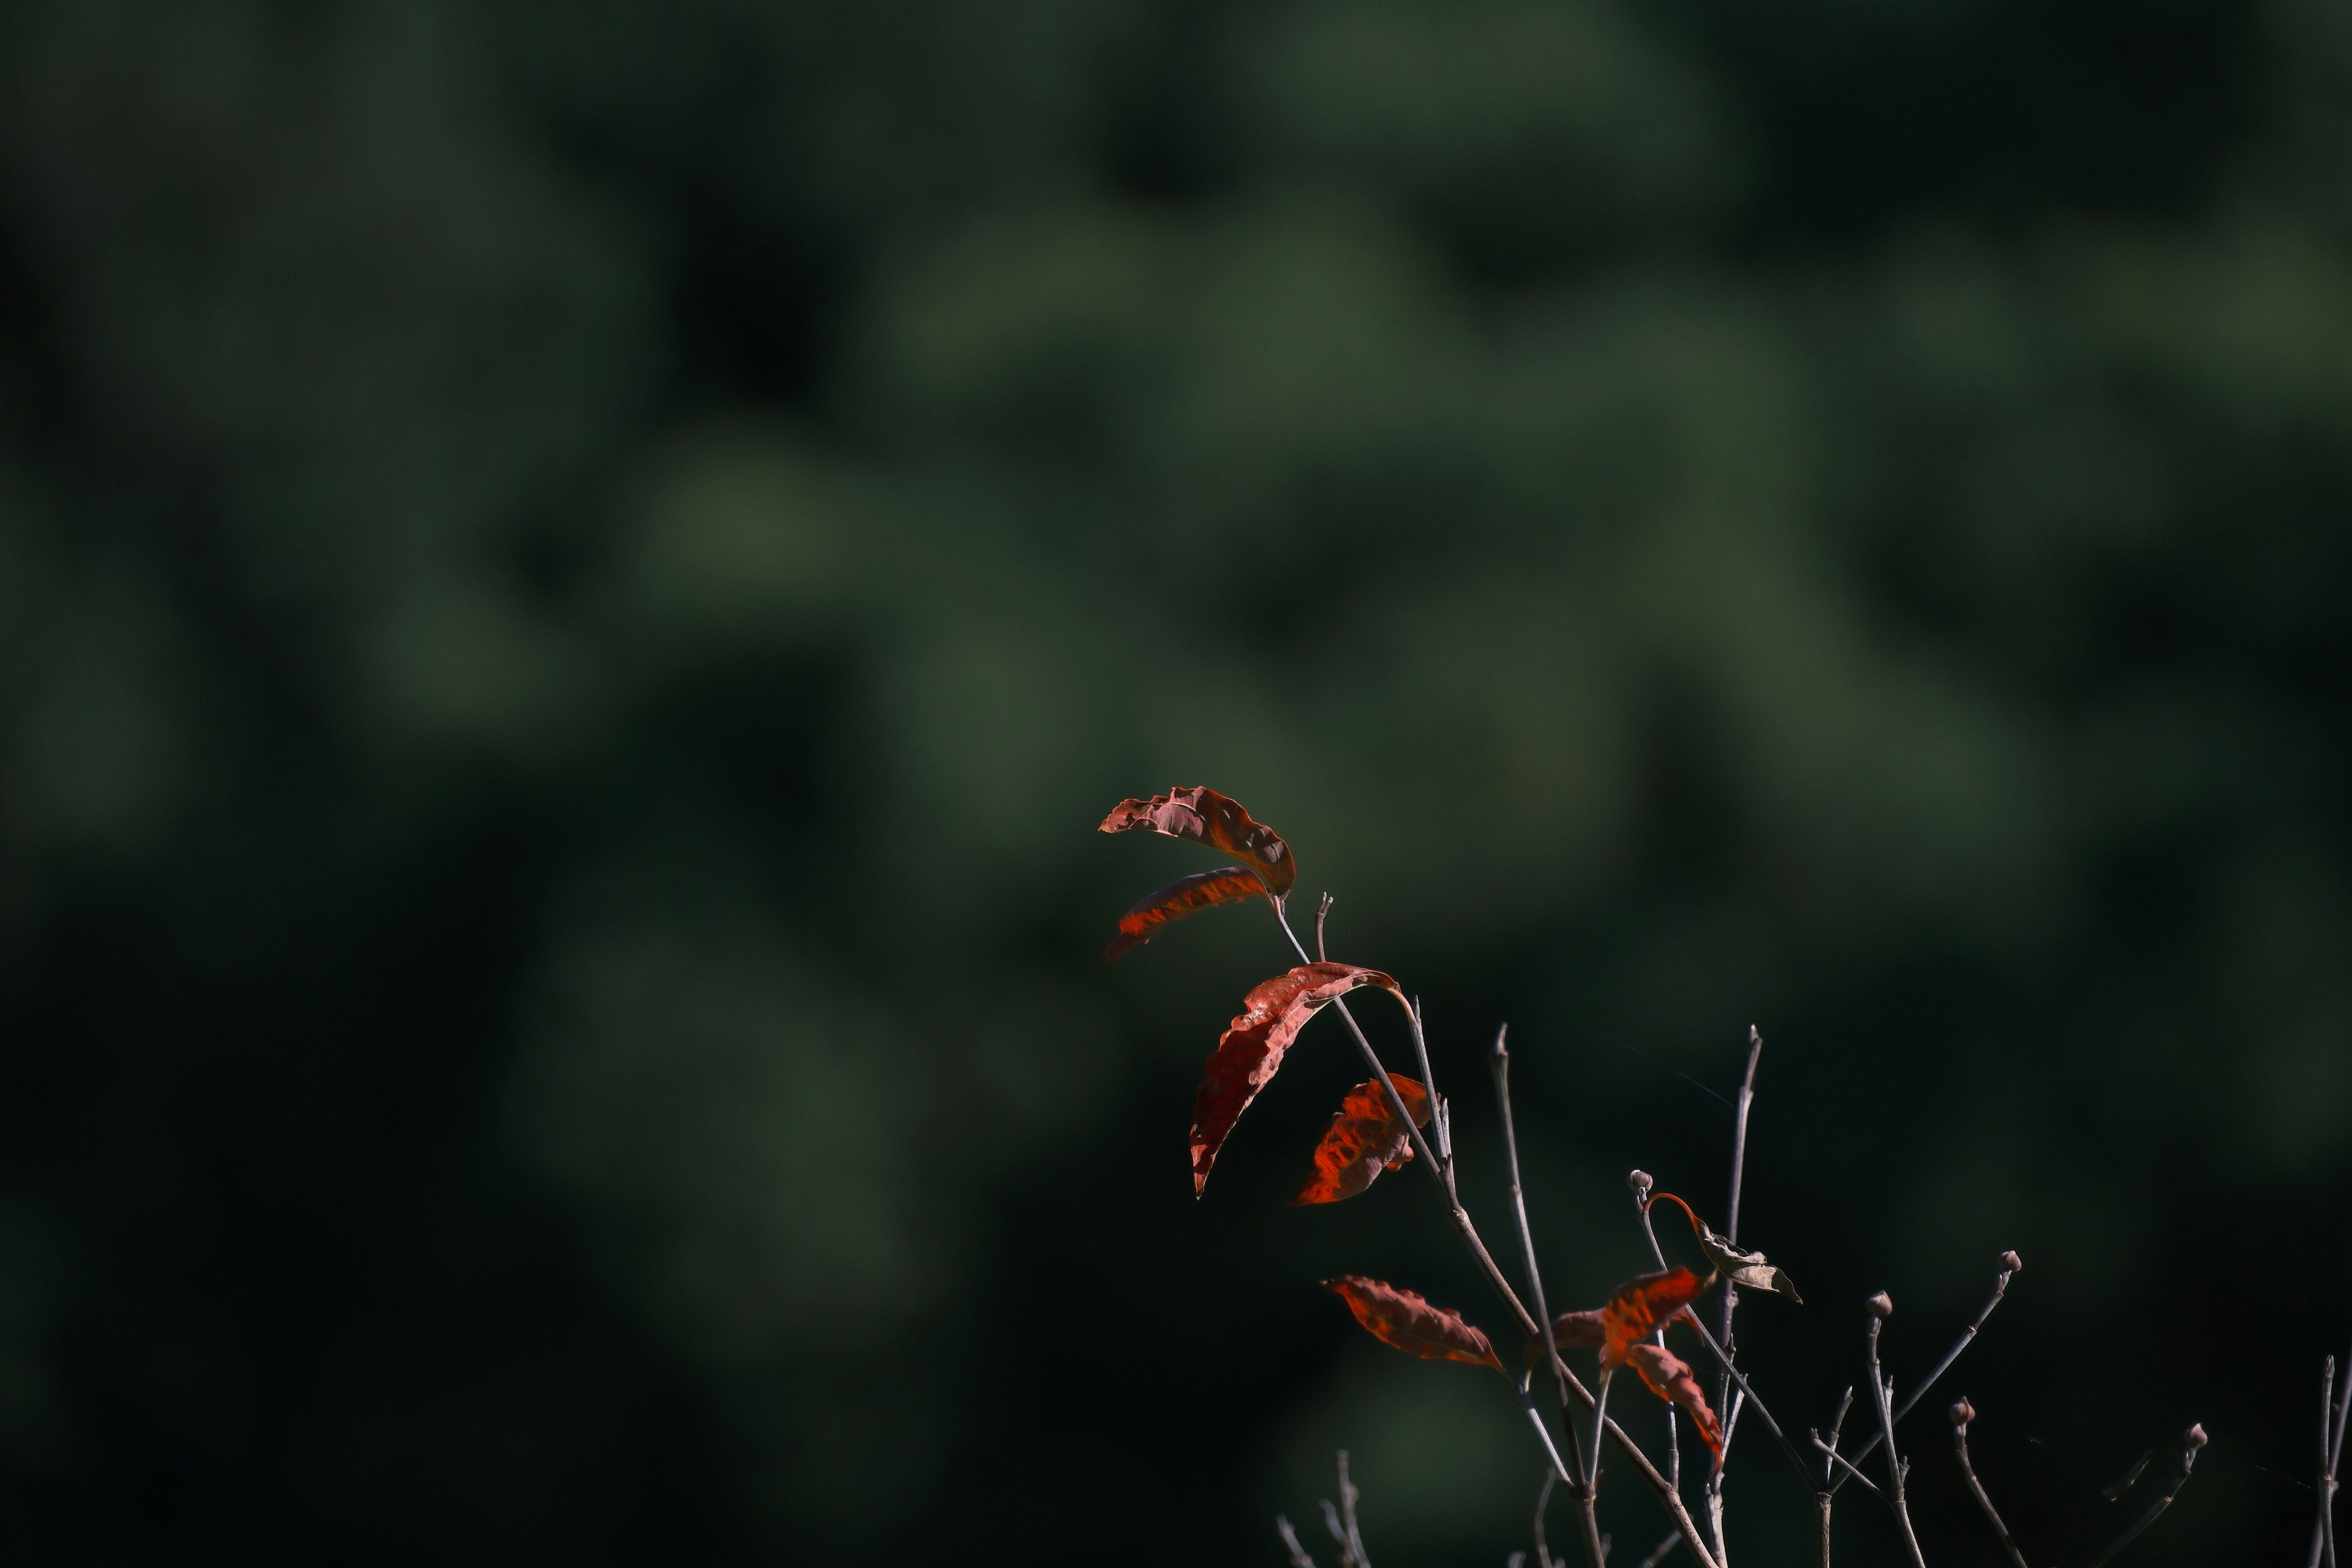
1201	814
1579	1330
1251	1051
1403	1320
1670	1378
1185	896
1640	1305
1363	1139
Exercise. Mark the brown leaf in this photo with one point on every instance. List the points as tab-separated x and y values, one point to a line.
1364	1139
1746	1269
1669	1377
1251	1050
1639	1306
1201	814
1185	896
1404	1321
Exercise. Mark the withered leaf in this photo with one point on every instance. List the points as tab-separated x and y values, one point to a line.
1251	1050
1669	1377
1638	1307
1364	1139
1746	1269
1201	814
1572	1330
1403	1320
1185	896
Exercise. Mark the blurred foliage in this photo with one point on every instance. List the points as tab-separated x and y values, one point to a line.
574	579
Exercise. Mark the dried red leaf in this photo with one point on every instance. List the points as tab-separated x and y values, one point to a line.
1403	1320
1364	1139
1579	1331
1185	896
1251	1050
1201	814
1669	1377
1642	1305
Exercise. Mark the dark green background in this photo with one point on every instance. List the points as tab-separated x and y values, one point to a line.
574	577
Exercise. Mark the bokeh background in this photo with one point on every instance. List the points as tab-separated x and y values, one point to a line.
575	578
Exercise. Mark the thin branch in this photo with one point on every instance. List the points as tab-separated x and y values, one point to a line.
1439	1172
1661	1552
1842	1462
1600	1418
1732	1214
1583	1493
1543	1433
1439	1116
1880	1309
1804	1472
2323	1528
2009	1265
1825	1495
1963	1413
1638	1182
2190	1441
2342	1403
1322	912
1298	1558
1668	1497
1543	1500
1348	1496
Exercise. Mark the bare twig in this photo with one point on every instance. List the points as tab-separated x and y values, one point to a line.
1341	1521
1582	1493
1543	1500
1440	1119
1961	1413
2009	1265
1668	1497
1731	1295
1747	1393
1298	1558
1322	912
2190	1441
1881	1307
1638	1182
1661	1552
1440	1172
1825	1494
2323	1528
1840	1461
1543	1433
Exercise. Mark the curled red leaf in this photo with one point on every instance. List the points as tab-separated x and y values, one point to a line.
1364	1139
1201	814
1403	1320
1638	1307
1669	1377
1251	1050
1185	896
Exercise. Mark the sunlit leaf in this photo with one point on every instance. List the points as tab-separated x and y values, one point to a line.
1364	1139
1669	1377
1403	1320
1201	814
1185	896
1251	1050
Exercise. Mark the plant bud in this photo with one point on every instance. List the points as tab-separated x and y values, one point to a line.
2194	1438
1640	1181
1961	1413
2010	1263
1881	1305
